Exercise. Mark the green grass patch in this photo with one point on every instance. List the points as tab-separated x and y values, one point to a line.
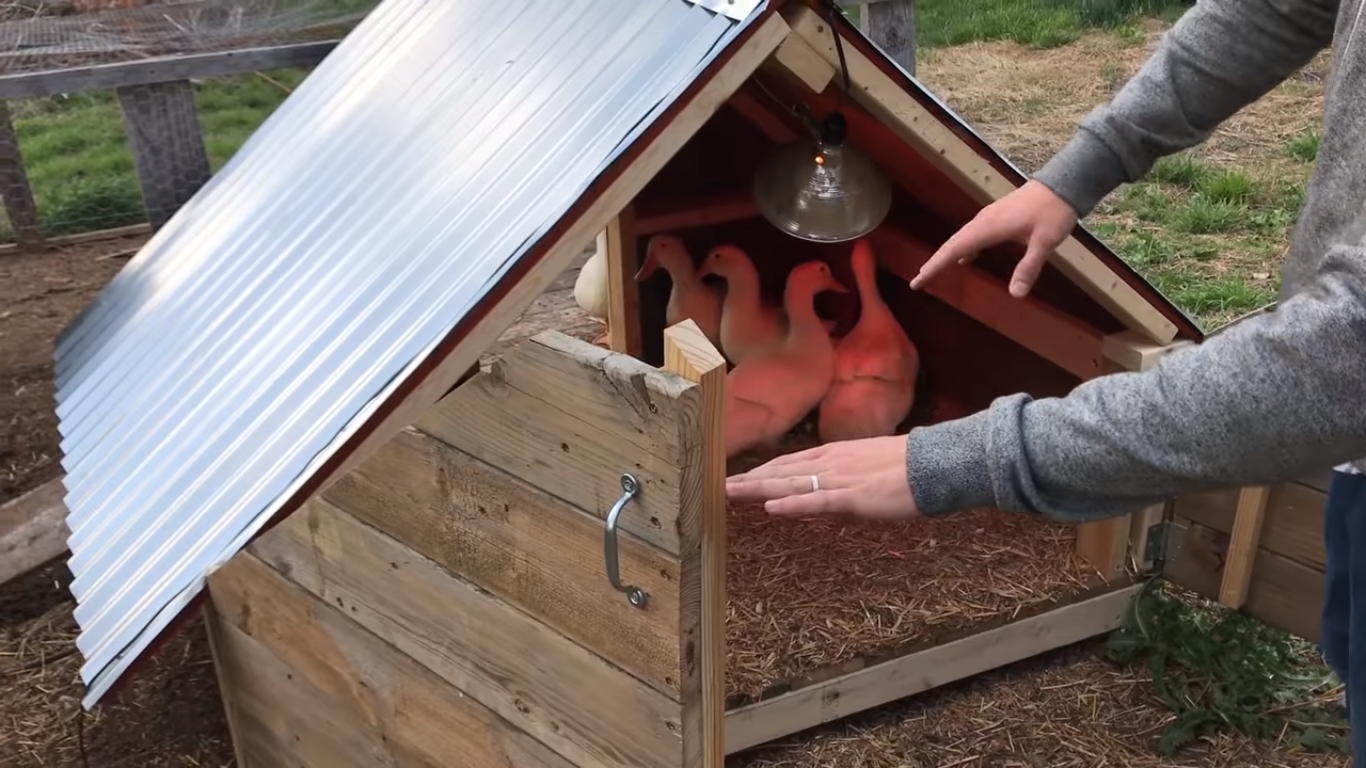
1206	235
1203	215
1226	186
1183	168
1221	670
1304	147
1032	23
76	152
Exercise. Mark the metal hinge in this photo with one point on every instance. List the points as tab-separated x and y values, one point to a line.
1164	542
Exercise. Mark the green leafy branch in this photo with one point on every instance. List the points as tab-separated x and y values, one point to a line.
1218	669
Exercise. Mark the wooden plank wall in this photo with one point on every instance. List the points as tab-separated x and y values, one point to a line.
447	602
1285	564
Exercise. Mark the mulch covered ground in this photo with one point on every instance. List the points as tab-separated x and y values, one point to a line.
170	714
1067	709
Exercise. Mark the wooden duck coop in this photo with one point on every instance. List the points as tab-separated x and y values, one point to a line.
533	563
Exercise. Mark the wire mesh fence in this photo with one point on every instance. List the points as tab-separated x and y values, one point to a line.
75	150
75	166
46	35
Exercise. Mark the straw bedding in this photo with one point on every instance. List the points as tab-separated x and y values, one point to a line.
811	598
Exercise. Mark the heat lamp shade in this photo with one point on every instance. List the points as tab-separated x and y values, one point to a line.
822	193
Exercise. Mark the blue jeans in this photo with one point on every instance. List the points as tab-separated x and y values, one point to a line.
1344	604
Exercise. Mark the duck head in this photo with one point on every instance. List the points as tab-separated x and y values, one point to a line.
726	261
813	277
665	251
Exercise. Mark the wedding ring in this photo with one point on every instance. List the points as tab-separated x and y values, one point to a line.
815	483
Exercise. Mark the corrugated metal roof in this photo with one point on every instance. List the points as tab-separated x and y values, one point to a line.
268	320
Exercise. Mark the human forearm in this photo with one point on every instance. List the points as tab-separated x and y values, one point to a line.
1219	57
1264	401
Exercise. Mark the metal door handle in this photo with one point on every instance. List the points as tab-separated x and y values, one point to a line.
637	597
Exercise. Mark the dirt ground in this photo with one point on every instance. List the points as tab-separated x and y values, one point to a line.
1069	708
170	715
39	295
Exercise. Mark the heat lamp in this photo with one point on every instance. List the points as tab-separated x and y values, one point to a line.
822	189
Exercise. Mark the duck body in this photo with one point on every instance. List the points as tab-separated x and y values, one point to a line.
592	288
872	386
690	297
749	328
769	393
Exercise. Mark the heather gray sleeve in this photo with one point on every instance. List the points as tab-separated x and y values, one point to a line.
1264	401
1219	57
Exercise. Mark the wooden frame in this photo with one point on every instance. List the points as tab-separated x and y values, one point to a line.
876	92
163	69
463	538
32	530
1259	550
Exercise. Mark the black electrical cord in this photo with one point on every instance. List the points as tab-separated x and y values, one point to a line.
832	8
834	128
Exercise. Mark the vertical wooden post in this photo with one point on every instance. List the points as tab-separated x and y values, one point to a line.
168	146
1242	546
15	187
1109	544
623	307
689	354
891	24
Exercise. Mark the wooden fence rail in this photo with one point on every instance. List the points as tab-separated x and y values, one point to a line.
159	116
162	122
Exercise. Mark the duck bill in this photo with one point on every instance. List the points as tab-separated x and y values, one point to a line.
648	268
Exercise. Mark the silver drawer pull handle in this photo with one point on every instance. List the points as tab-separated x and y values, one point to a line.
629	486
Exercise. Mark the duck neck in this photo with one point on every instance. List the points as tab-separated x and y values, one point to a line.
870	299
742	288
680	269
804	323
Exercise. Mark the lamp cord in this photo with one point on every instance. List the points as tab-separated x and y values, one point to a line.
831	8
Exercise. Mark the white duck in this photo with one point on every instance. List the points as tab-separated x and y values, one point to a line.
749	326
768	394
876	365
690	297
592	289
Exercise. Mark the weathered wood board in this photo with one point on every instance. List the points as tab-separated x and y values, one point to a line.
484	588
1285	586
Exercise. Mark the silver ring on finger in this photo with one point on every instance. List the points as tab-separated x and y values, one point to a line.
815	483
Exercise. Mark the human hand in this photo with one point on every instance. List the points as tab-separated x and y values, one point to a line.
1032	215
864	478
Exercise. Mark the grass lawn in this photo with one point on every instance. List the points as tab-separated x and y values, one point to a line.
77	156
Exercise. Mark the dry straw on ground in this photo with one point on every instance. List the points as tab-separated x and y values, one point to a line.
1072	709
807	595
1028	102
809	598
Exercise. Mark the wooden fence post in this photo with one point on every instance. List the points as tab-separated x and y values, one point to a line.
168	147
891	25
15	187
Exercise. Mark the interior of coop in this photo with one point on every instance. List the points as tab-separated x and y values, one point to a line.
810	599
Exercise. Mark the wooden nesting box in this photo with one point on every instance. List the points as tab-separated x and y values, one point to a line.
541	568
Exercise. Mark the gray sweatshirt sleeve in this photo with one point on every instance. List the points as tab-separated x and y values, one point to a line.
1267	400
1219	57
